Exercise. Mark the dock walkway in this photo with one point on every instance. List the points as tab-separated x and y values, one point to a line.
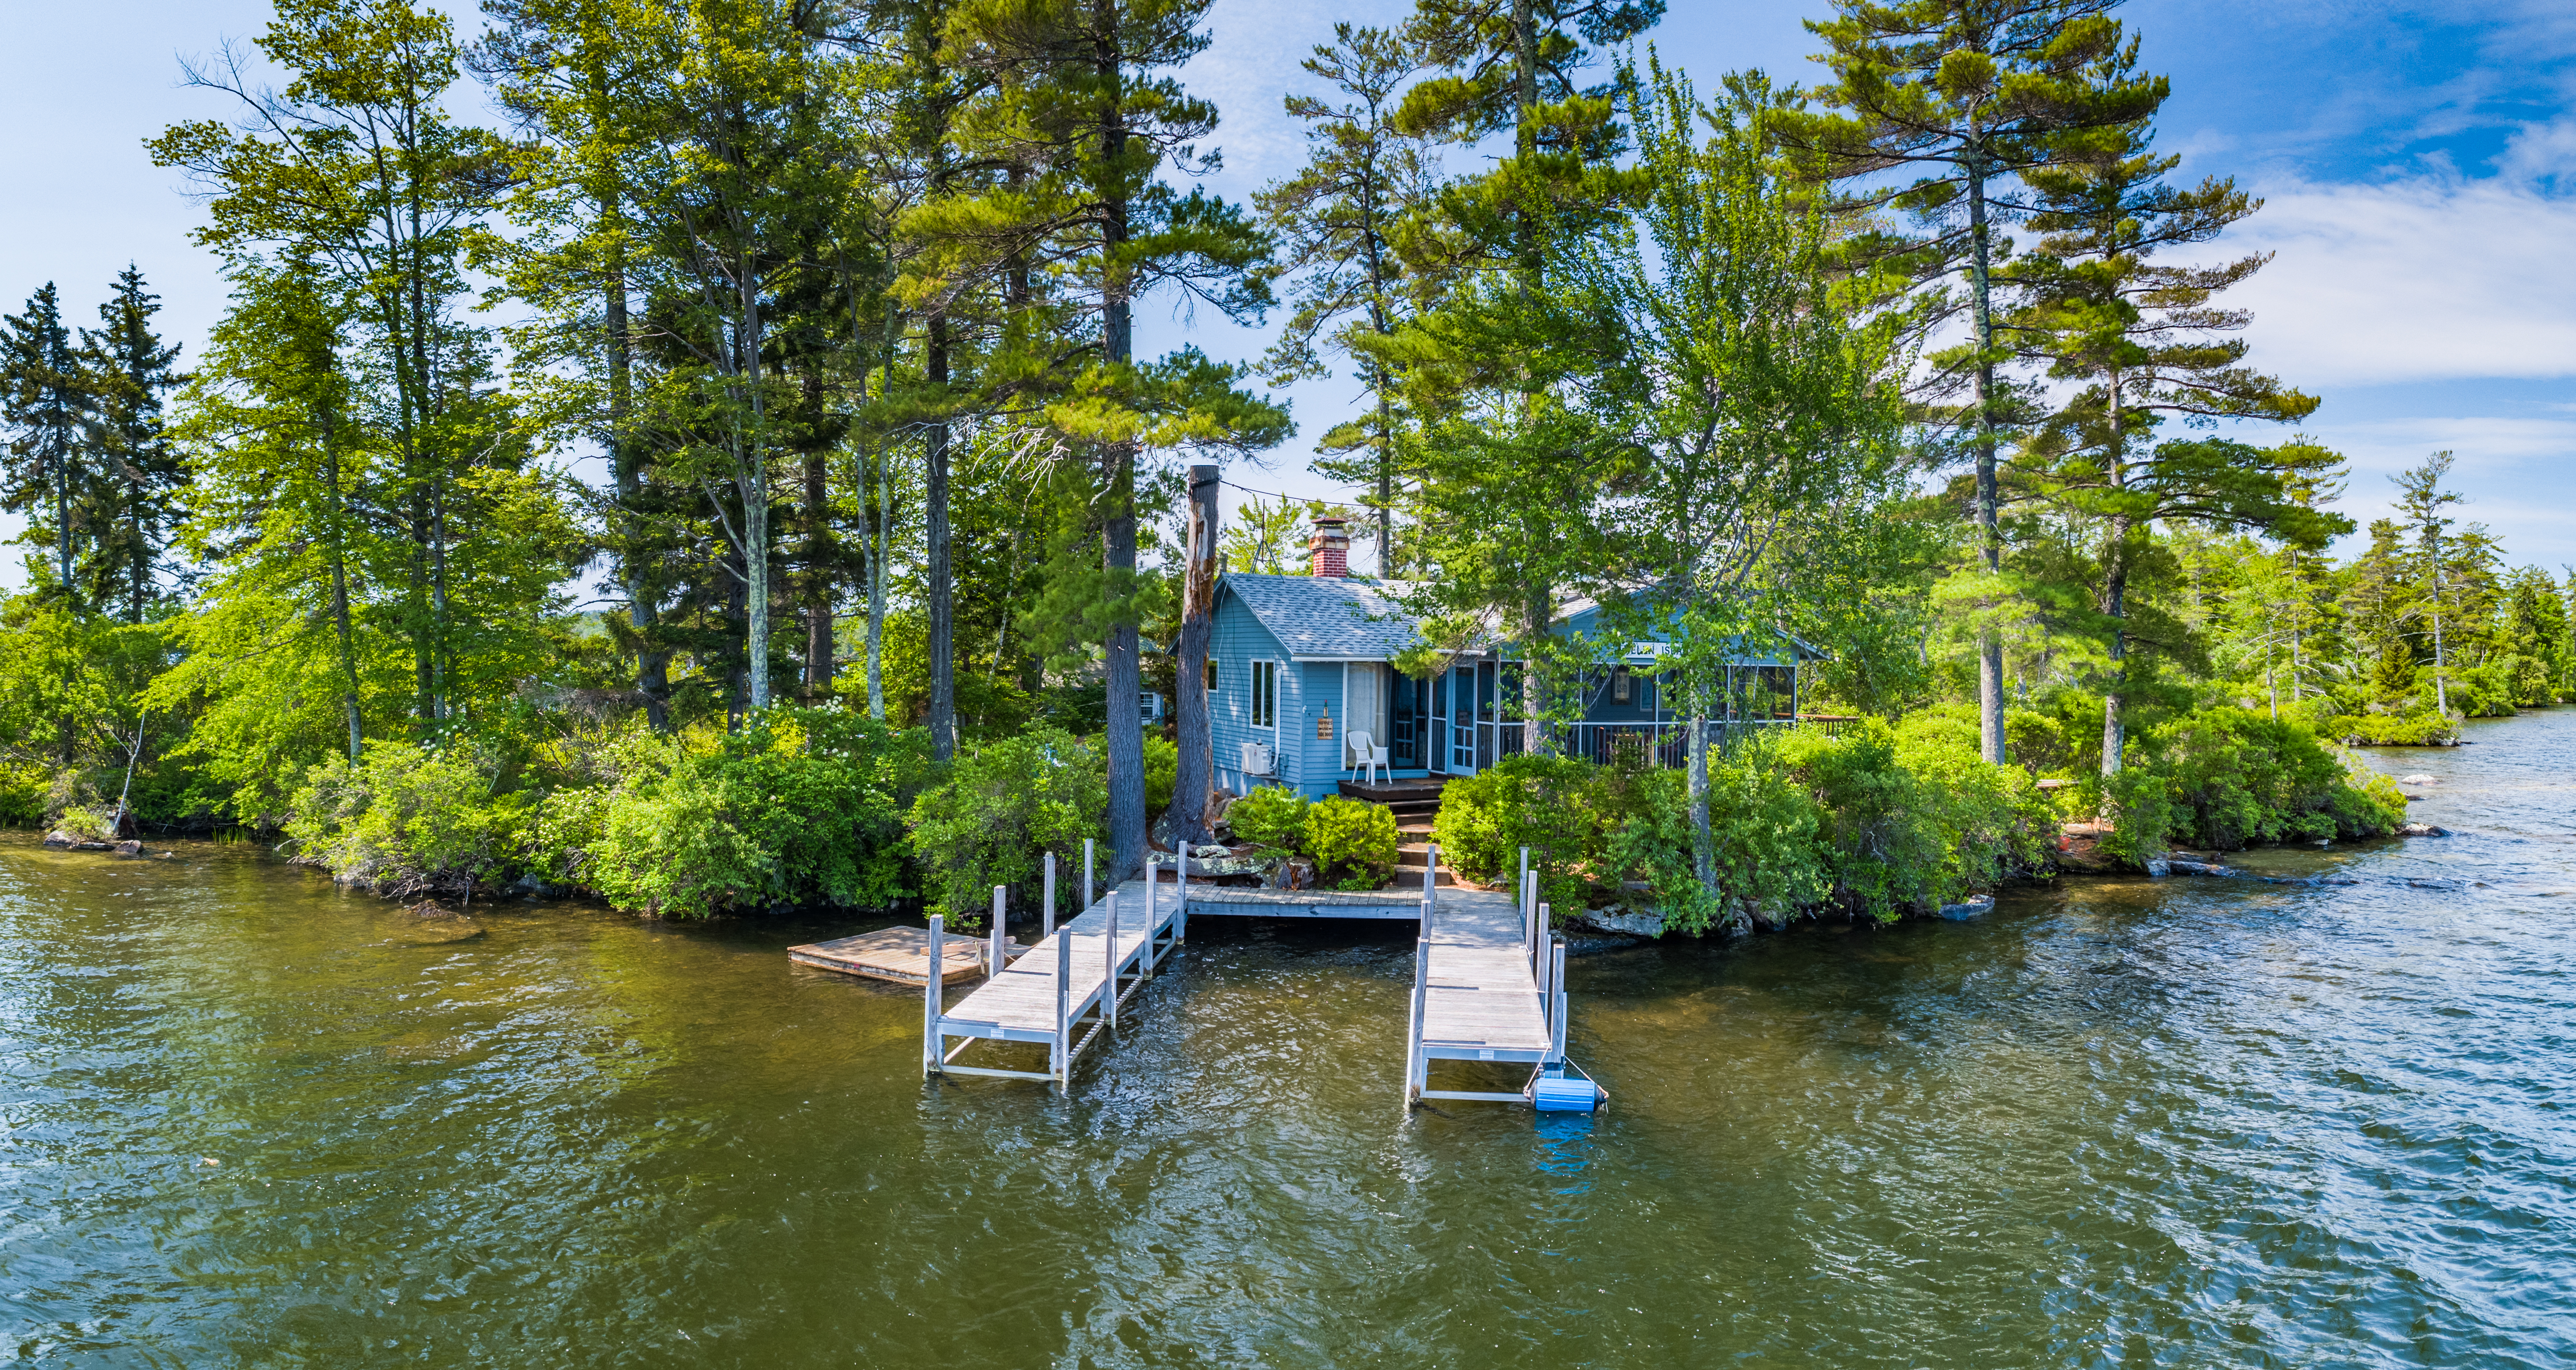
1065	990
1488	982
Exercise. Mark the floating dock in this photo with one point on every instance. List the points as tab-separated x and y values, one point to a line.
1488	982
898	954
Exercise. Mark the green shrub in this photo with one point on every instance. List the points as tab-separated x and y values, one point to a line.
2425	729
1271	816
90	824
1162	772
2228	778
1561	808
1003	806
408	819
1353	842
802	806
22	793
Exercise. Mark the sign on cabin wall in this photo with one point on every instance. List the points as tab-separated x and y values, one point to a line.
1324	725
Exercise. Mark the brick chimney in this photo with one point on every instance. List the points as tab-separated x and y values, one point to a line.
1331	546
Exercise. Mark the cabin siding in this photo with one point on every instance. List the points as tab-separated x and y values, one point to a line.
1236	639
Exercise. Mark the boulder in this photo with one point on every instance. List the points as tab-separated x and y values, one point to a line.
531	886
2422	830
1642	923
2419	780
59	838
1968	908
129	847
2181	867
2158	867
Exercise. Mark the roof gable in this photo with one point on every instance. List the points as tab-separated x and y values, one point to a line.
1329	618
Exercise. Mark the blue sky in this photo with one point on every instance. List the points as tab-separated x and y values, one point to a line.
2418	163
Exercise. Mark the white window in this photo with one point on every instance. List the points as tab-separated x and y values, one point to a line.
1265	694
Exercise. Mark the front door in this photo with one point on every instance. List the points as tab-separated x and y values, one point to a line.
1462	720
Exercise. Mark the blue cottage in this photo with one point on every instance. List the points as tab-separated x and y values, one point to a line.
1299	667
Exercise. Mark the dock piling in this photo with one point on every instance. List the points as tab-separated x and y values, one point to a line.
1556	1006
1063	1062
930	1001
1086	872
994	953
1414	1065
1109	987
1153	906
1046	924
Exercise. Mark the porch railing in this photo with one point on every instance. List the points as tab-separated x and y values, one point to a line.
1666	745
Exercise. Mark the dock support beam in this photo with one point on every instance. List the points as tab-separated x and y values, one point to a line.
1063	1062
1414	1072
1145	959
1556	1005
994	957
930	1043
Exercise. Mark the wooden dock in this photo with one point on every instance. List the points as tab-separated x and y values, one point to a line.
1488	986
898	954
1488	978
1065	991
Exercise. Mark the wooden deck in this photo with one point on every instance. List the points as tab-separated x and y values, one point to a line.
1480	998
1065	990
898	954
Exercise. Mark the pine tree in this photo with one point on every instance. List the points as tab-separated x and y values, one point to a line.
1761	421
2143	342
139	474
44	399
1965	95
357	166
1511	472
2421	499
1337	220
1069	99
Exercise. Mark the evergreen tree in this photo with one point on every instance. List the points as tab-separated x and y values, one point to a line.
1337	220
2143	342
1759	422
2421	499
357	166
1964	96
1511	472
45	400
139	474
1070	99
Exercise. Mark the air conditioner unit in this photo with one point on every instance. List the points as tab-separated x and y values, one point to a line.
1258	759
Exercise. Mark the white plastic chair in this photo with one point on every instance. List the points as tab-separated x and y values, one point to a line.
1368	756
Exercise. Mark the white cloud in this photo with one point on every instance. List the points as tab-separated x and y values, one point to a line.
2510	467
2418	280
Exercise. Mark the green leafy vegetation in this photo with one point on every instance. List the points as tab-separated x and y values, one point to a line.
1353	842
888	505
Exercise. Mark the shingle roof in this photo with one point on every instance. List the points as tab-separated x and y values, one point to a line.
1329	617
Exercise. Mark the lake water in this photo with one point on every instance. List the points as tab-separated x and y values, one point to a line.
246	1120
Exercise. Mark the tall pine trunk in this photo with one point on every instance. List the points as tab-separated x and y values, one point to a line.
1196	776
1118	535
941	590
2115	591
1990	649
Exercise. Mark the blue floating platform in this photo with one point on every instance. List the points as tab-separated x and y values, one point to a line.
1565	1093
